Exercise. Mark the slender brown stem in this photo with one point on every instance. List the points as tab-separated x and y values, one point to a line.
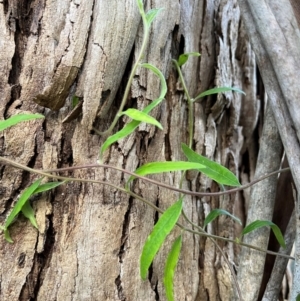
68	179
184	191
221	251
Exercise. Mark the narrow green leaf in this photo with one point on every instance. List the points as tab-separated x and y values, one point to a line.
75	101
140	5
7	236
130	127
48	186
263	223
167	166
212	169
151	14
218	90
127	130
278	235
215	213
184	57
27	193
170	266
255	225
13	120
141	116
160	231
28	212
298	298
163	83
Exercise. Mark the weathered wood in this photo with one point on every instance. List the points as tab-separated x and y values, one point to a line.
252	264
264	21
90	236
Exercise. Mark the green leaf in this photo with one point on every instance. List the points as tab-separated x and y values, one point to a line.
140	5
184	57
215	213
141	116
212	169
75	101
298	298
27	193
28	212
7	236
151	14
163	83
159	233
262	223
13	120
167	166
130	127
48	186
170	266
218	90
127	130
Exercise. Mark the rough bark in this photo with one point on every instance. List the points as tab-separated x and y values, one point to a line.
263	194
264	20
90	236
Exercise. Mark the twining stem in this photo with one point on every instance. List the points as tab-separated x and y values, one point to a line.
190	143
69	179
190	104
184	191
131	76
221	251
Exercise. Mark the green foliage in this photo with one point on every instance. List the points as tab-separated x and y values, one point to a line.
13	120
185	56
258	224
151	14
28	212
170	267
130	127
48	186
212	169
141	116
18	207
167	166
216	91
169	218
163	83
75	101
159	233
217	212
23	204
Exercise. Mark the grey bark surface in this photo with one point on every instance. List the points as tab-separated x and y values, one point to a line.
252	262
264	20
90	236
272	290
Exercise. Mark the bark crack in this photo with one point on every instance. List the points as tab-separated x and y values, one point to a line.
73	293
43	259
124	238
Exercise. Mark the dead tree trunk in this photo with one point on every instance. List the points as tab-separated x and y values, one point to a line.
90	236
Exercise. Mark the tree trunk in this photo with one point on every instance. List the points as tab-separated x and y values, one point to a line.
90	236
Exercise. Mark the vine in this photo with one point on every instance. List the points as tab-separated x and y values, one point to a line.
169	218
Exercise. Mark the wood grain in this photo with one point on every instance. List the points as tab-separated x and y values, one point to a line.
296	7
